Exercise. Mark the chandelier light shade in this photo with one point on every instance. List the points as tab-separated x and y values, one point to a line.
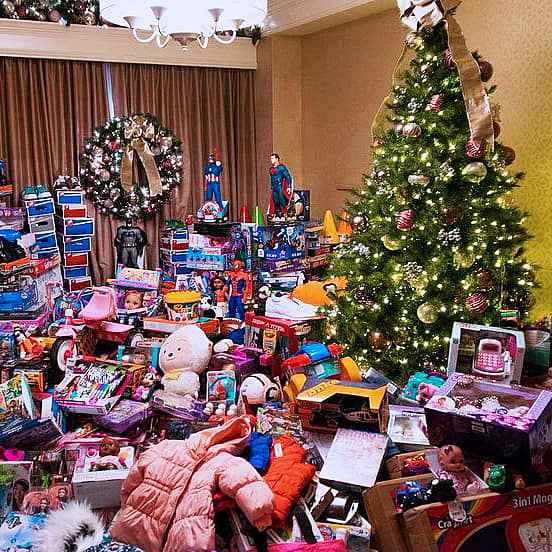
184	20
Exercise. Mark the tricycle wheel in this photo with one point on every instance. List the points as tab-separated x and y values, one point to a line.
62	349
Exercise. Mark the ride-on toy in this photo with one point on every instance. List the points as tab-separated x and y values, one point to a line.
80	336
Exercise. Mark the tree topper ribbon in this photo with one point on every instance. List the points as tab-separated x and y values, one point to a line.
138	130
426	14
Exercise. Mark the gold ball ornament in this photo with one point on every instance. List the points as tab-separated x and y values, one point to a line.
391	243
474	172
463	259
427	313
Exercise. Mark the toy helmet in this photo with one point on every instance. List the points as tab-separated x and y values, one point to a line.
258	389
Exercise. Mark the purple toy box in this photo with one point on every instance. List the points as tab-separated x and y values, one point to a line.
124	416
504	424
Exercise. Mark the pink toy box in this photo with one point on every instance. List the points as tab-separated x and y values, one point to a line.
502	424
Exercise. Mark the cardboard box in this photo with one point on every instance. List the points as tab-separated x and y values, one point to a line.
330	404
394	466
45	240
518	433
519	521
72	211
72	272
76	284
75	259
69	197
407	427
383	515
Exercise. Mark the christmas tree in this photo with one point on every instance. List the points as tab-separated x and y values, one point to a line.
435	237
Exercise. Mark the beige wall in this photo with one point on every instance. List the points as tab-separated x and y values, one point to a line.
347	72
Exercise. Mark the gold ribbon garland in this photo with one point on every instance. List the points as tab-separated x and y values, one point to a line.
138	130
426	14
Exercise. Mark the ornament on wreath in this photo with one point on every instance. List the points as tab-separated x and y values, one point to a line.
449	60
508	155
425	71
477	303
405	220
474	172
436	102
414	41
427	313
496	129
476	148
486	70
107	166
414	105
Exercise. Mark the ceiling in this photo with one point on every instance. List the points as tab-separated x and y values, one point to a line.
300	17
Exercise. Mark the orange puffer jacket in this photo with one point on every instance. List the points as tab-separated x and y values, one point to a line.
287	475
167	499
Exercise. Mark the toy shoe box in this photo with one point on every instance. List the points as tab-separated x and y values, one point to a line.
75	226
74	244
75	259
78	284
72	210
502	424
39	207
69	197
520	521
384	516
42	224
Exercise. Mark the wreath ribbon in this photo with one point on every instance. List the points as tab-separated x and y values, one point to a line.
426	14
145	154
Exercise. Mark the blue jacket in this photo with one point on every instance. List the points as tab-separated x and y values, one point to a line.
257	452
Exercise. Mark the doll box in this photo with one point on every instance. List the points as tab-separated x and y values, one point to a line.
71	272
74	244
137	278
12	217
519	521
101	489
502	424
125	415
69	197
76	226
39	207
382	513
42	224
75	259
407	427
280	242
72	211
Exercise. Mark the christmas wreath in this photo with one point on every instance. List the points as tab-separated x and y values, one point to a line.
107	166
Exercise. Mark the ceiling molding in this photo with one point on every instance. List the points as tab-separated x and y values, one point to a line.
33	39
309	16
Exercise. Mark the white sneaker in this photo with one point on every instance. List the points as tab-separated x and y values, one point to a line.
289	308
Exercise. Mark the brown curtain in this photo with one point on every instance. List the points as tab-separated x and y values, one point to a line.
205	108
49	108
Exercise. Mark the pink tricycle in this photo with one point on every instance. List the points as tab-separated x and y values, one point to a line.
80	336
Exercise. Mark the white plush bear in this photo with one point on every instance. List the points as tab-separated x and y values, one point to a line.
184	355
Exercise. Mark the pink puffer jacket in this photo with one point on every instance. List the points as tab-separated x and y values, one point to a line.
167	499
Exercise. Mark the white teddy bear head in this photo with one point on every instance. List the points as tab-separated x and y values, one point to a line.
187	349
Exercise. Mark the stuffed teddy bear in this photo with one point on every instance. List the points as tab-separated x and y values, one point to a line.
184	355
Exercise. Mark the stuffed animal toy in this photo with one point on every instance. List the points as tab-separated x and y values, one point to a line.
320	293
258	389
207	308
184	355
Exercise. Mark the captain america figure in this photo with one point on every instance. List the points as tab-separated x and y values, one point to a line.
212	179
282	187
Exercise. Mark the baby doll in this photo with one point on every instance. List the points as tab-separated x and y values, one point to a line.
109	459
133	301
453	466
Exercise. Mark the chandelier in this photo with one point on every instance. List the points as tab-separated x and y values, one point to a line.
184	20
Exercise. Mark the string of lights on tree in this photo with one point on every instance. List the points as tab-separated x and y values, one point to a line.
104	155
435	236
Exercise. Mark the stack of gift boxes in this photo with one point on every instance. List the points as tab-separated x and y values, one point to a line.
40	218
173	252
74	230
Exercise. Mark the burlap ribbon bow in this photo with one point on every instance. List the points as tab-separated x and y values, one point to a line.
426	14
137	131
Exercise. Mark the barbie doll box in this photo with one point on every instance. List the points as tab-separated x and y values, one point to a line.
499	423
520	521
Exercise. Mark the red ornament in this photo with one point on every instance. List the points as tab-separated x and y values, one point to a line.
486	70
477	302
377	142
436	102
189	219
244	214
475	148
166	164
449	60
508	154
114	145
405	220
496	129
